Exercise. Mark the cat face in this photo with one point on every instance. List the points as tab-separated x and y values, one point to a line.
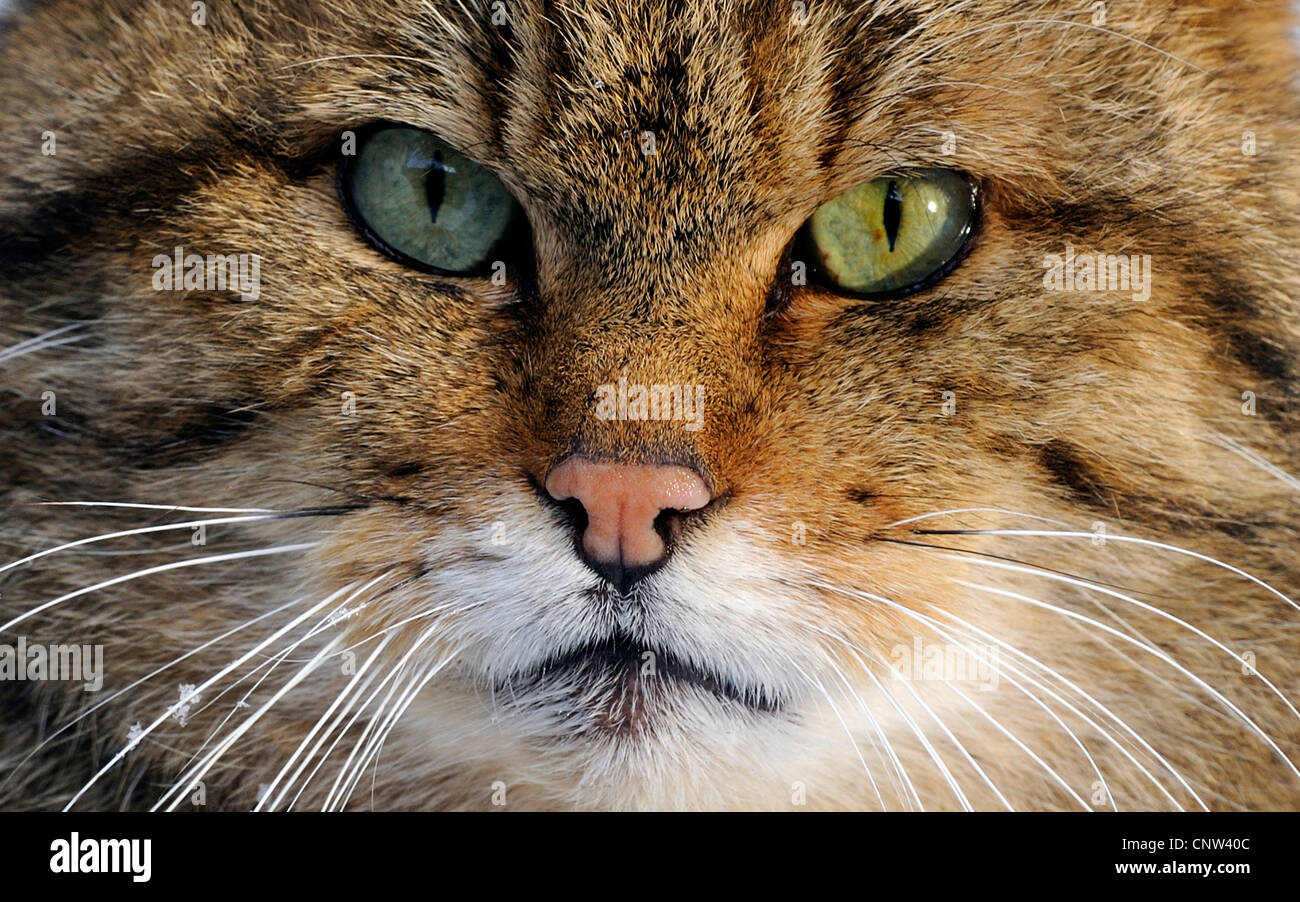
654	479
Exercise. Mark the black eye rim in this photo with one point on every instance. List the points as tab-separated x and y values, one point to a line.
805	250
513	247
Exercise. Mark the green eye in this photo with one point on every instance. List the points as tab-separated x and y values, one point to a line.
893	236
426	204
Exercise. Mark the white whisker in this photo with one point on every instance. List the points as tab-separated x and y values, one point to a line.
1098	705
199	770
202	688
396	668
273	662
227	634
916	730
388	636
329	650
868	596
1095	587
380	735
974	510
1092	536
161	568
360	56
844	724
143	530
1024	748
161	507
1147	648
1236	447
42	342
916	696
935	625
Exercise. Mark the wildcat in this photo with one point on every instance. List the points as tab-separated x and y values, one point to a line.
346	356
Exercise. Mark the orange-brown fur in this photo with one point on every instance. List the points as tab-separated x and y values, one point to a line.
824	414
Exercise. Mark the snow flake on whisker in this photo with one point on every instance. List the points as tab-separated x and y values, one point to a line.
133	736
189	697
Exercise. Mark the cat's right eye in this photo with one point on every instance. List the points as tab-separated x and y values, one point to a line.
427	205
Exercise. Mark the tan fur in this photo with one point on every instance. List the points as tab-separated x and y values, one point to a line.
824	414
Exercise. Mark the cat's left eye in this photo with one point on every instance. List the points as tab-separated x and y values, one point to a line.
893	236
425	204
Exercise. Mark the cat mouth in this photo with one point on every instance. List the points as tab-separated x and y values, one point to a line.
618	684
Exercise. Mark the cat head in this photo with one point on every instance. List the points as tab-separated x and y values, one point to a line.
668	407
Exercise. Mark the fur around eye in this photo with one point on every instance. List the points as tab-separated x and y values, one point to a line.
425	204
546	440
892	237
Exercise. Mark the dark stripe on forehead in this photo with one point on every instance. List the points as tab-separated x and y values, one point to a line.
857	67
558	67
1255	350
1069	467
494	51
560	61
1218	282
34	240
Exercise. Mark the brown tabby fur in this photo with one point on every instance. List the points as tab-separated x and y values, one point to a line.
823	413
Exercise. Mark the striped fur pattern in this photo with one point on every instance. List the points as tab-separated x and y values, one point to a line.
348	568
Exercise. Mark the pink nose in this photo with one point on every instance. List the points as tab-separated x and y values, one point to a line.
622	502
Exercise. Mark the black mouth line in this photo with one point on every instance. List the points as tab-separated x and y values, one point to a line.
620	662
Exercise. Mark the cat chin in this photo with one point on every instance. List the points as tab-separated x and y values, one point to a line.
462	748
692	751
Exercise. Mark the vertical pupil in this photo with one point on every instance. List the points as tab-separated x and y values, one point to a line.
435	184
893	213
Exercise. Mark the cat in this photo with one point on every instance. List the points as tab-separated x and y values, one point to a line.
984	317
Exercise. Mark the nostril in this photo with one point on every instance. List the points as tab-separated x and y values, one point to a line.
669	525
574	512
671	522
